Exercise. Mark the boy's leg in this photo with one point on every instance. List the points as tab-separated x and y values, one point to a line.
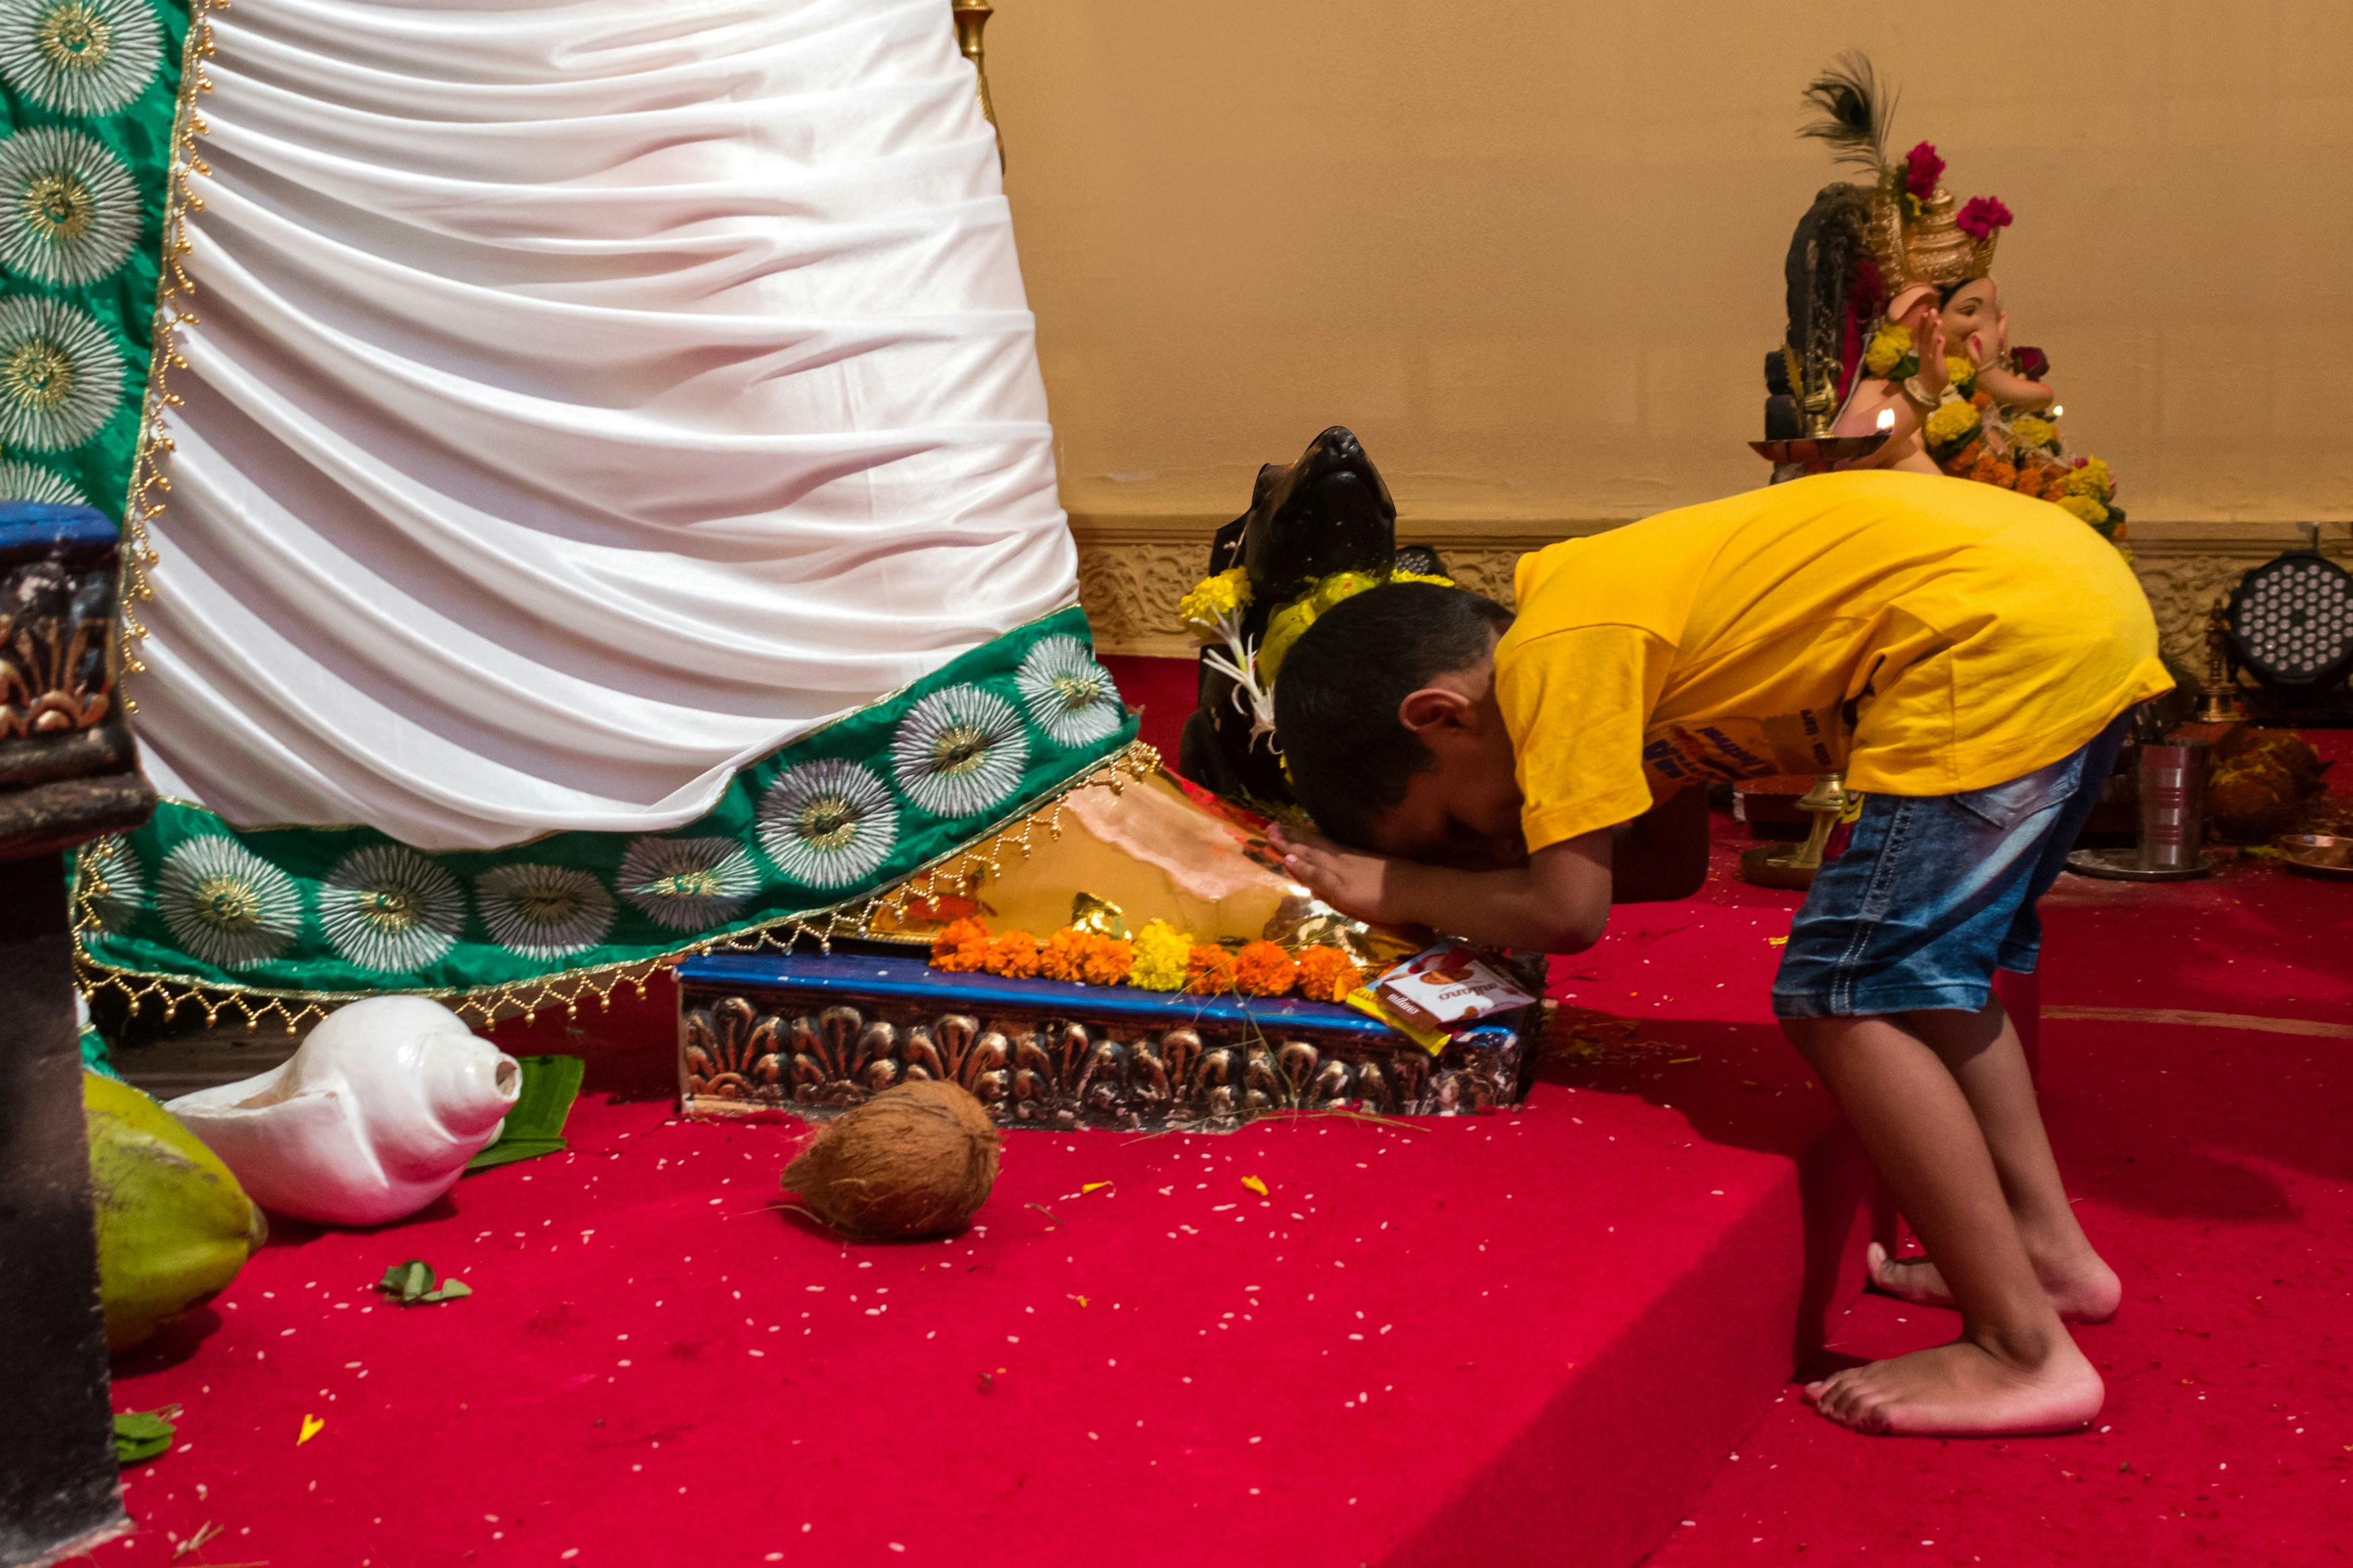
1982	1052
2013	1369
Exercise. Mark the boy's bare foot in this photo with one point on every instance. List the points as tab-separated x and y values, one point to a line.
1962	1390
2083	1289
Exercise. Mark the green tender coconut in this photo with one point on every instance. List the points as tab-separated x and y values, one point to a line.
916	1160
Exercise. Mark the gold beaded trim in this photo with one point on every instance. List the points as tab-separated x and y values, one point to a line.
490	1004
143	504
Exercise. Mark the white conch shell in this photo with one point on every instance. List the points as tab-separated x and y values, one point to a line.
373	1119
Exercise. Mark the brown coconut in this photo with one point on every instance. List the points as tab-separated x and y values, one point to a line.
916	1160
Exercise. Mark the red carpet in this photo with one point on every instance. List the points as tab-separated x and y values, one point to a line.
1397	1355
2215	1169
1514	1339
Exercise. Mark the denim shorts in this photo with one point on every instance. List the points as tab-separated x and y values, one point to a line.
1930	894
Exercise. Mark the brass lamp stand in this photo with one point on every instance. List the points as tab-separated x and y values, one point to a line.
2218	700
1779	865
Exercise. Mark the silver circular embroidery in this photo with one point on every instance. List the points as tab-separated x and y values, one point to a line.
827	824
79	56
959	752
543	911
389	909
60	375
227	905
68	212
688	884
1070	696
113	882
30	482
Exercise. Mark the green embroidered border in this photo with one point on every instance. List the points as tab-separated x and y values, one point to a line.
327	914
77	157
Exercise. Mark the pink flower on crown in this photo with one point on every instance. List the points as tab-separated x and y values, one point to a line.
1922	168
1982	216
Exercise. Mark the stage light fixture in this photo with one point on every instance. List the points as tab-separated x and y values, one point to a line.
2291	624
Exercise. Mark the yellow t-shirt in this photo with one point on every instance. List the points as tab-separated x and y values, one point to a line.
1925	634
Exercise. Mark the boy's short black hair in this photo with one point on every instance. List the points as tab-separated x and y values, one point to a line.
1337	692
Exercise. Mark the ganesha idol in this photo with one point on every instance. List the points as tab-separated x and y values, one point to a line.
1896	325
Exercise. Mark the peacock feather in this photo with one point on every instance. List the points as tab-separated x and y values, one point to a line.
1854	116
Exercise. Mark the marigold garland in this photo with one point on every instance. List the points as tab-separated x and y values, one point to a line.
1263	969
1161	951
1159	957
1106	960
962	949
1889	346
1327	974
1210	971
2087	508
1013	954
1953	425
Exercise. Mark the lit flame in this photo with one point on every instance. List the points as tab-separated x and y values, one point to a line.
2056	410
1887	419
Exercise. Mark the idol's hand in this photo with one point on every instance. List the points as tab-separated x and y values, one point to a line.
1928	347
1352	883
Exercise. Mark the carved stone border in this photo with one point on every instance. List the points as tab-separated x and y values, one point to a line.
1132	570
747	1048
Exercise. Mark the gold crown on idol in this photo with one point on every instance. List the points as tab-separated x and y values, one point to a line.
1914	235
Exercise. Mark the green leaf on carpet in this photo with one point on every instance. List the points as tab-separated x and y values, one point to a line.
535	1125
411	1282
143	1434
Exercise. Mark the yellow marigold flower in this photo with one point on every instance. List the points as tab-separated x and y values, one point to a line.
2028	431
1962	374
1952	424
2085	507
2091	480
1214	599
1161	952
1887	349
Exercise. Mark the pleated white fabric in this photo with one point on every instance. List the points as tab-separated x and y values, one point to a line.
586	397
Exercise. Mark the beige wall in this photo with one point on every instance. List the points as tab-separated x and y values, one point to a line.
1532	252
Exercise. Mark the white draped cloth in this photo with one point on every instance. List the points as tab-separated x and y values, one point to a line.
586	397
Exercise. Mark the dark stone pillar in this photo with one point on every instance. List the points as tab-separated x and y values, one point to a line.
57	1481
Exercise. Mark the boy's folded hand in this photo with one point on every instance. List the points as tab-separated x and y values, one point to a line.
1350	881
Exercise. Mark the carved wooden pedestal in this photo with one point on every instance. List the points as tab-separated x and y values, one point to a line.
68	772
815	1035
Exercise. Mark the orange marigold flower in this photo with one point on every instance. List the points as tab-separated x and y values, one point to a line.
2005	476
1013	954
1263	969
1106	960
962	948
1326	974
1064	956
1962	461
1209	971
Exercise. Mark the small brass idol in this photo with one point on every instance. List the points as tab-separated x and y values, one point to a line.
1779	865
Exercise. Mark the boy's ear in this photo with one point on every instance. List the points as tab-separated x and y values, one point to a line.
1436	708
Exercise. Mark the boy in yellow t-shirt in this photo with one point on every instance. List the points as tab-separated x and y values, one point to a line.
1964	656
